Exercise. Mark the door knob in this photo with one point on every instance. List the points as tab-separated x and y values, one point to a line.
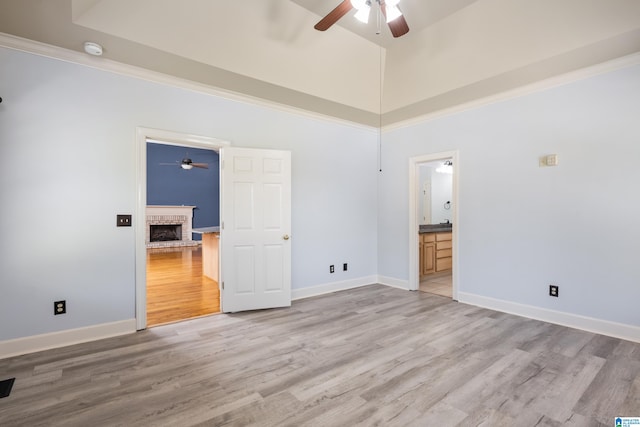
285	237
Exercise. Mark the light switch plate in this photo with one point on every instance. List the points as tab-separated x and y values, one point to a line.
123	220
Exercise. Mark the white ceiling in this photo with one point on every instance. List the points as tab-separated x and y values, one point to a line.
419	14
457	51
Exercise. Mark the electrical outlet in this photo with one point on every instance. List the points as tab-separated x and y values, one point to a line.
59	307
332	269
554	290
123	220
344	267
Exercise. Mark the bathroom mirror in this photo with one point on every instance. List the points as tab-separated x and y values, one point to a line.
435	192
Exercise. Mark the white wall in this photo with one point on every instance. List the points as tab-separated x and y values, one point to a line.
522	227
67	147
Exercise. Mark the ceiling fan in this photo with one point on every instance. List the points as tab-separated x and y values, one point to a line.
187	164
395	19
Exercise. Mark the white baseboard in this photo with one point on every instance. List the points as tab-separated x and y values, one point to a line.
32	344
589	324
393	282
327	288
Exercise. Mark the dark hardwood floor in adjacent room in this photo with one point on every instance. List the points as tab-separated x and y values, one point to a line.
371	356
176	288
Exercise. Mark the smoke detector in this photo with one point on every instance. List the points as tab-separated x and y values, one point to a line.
93	48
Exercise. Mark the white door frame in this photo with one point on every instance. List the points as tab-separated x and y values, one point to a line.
414	182
139	218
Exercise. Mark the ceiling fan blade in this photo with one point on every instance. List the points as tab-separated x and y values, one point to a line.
169	164
398	26
333	16
200	165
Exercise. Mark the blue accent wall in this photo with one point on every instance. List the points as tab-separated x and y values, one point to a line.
172	185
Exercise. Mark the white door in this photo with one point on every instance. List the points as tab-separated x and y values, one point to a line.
255	230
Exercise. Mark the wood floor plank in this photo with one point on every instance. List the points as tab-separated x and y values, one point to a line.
606	395
568	386
176	288
367	356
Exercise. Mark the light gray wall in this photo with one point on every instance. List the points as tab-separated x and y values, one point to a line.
522	227
67	153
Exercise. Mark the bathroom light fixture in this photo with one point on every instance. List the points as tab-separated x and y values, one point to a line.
446	167
93	48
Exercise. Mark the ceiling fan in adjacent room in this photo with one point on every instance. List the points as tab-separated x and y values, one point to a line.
187	164
389	9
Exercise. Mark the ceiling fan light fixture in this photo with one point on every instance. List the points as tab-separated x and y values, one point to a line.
393	13
186	164
362	15
394	17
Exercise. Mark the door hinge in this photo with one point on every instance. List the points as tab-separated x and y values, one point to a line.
223	225
223	286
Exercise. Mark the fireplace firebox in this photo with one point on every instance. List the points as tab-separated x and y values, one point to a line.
171	225
165	232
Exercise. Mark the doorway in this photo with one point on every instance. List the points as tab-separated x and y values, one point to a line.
186	253
435	227
442	237
183	197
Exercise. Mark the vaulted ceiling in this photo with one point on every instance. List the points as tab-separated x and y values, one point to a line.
457	51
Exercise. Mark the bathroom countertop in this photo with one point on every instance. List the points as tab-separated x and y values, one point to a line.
435	228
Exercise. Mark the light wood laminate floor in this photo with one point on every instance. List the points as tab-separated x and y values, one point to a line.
176	288
364	357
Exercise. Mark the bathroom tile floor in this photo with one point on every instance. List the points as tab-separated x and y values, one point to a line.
440	285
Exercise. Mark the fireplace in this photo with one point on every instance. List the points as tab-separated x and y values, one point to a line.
165	233
169	226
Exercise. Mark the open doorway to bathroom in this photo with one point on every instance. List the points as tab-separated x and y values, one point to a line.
433	220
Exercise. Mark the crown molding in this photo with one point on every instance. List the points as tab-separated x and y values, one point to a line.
42	49
548	83
104	64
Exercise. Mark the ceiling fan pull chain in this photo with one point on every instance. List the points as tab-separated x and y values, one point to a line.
379	19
